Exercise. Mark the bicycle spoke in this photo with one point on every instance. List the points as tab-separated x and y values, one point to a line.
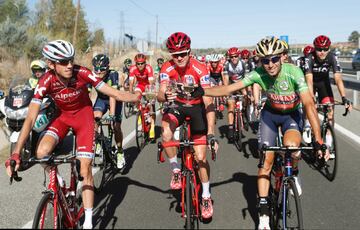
44	215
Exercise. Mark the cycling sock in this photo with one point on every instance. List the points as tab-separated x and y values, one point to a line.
328	140
173	163
264	206
88	217
206	189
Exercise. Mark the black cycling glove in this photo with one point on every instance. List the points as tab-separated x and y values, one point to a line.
345	101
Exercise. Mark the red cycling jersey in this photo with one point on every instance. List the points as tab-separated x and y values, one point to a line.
143	77
195	70
75	107
217	70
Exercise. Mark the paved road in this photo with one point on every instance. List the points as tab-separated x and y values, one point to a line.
139	197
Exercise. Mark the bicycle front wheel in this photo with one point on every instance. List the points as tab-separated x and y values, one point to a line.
290	208
191	217
238	131
44	215
330	167
140	134
99	163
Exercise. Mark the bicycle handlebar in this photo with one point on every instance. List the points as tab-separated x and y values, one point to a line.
327	105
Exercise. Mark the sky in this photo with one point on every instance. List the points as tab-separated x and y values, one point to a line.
224	23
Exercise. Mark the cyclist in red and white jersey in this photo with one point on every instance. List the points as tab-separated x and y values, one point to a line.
67	83
215	69
183	68
234	70
144	75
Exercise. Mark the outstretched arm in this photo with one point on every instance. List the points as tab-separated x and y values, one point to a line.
224	90
117	94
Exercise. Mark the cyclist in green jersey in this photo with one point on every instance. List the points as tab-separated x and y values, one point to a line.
38	68
285	88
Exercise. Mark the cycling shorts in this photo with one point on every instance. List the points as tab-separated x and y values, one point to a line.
82	122
197	114
103	106
323	88
270	121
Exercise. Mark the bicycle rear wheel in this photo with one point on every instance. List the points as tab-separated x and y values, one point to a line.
44	214
291	213
99	163
140	134
330	167
238	132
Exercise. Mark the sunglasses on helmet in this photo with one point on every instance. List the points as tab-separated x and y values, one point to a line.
273	59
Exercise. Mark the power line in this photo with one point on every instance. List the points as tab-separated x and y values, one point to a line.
134	3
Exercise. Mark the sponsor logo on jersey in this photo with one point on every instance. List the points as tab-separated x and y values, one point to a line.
284	85
197	69
189	79
93	76
39	90
169	68
205	80
164	76
68	95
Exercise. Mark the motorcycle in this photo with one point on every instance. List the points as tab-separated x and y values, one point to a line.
14	109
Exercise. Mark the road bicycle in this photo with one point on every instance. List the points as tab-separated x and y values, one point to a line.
105	156
285	208
61	206
143	120
219	107
328	168
240	122
190	203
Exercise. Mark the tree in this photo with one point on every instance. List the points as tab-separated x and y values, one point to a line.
354	37
16	10
13	37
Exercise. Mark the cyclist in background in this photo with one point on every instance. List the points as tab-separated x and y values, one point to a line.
180	68
38	68
143	74
245	57
249	66
103	103
215	69
160	62
317	73
234	70
66	83
285	55
286	90
124	79
300	62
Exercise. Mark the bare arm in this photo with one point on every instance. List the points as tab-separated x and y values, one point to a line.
311	113
117	94
224	90
309	81
339	83
256	93
225	78
29	122
161	93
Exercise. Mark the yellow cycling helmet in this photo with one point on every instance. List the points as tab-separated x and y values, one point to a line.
38	64
269	46
286	45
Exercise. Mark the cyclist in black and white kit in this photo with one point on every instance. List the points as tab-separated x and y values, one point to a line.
234	70
300	62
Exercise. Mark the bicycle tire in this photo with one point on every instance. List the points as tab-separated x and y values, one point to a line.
238	132
192	221
289	205
46	206
99	162
330	167
140	134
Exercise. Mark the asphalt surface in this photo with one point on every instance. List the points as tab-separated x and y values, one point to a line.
140	197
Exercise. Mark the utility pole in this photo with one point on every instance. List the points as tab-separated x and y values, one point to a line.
76	23
156	36
122	29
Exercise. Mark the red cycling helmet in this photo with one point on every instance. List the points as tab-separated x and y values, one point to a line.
178	42
245	53
254	52
140	58
308	50
322	42
233	51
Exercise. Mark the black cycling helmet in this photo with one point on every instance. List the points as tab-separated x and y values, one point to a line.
160	60
100	62
127	61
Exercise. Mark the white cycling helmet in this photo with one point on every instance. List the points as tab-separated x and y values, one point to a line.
58	50
214	58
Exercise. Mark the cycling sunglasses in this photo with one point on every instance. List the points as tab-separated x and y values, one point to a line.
184	54
140	63
273	59
66	62
322	49
100	69
234	57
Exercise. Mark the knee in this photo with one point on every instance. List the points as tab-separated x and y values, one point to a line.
166	135
42	151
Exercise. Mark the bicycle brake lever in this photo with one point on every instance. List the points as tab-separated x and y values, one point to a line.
213	153
346	111
14	174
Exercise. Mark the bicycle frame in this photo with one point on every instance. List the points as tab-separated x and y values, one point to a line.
238	120
144	108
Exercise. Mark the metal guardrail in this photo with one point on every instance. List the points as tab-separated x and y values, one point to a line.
351	83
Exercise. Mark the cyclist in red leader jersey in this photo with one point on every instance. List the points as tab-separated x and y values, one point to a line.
202	114
67	83
144	75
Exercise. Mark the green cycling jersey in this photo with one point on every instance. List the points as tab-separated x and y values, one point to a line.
282	91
